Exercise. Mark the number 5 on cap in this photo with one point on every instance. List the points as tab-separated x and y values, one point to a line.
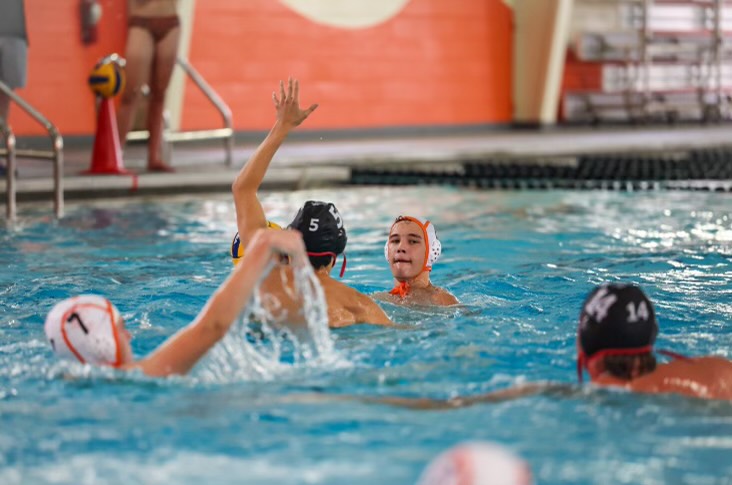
336	216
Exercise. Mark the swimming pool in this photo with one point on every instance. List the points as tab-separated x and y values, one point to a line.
521	262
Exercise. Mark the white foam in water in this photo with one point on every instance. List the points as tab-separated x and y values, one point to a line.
279	349
166	467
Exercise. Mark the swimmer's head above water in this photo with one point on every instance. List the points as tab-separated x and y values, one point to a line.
617	327
412	248
90	330
324	234
477	463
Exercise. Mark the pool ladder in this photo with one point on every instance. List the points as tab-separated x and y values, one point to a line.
226	133
56	153
9	151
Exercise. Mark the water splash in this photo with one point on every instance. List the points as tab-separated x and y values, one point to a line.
273	340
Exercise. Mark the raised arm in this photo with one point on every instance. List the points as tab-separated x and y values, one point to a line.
551	389
249	213
179	353
510	394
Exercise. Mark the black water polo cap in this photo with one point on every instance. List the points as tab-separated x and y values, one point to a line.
617	316
321	226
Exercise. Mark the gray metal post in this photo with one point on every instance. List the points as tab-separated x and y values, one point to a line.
56	154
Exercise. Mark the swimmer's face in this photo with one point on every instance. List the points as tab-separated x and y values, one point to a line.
406	250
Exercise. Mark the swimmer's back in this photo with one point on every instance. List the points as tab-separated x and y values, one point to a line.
346	306
706	377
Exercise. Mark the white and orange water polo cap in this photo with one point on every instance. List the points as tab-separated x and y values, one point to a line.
477	463
84	328
433	246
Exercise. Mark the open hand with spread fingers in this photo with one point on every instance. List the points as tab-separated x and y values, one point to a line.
287	104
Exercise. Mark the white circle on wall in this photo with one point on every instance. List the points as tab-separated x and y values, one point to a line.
347	14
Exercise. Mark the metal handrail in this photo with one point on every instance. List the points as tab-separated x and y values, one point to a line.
9	138
10	151
226	133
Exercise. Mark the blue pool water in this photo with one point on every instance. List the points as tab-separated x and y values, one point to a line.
521	262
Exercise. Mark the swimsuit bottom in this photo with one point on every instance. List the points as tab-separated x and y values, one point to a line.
157	26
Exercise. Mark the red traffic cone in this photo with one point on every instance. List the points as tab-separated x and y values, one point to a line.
107	154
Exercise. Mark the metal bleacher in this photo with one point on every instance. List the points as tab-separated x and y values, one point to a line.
671	60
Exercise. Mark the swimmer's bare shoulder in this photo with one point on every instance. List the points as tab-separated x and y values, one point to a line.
346	306
443	297
361	307
706	377
421	297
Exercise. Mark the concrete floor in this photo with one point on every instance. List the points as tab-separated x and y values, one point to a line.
320	160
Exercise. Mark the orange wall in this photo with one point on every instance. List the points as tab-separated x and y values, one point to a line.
436	63
59	64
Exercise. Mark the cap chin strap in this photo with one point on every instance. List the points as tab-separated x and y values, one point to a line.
335	258
584	362
401	289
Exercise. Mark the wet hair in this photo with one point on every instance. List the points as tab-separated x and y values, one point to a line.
629	367
318	262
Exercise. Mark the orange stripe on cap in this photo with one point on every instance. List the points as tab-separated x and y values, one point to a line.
66	337
115	334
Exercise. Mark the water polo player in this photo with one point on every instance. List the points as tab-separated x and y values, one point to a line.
615	346
411	250
90	330
615	338
319	222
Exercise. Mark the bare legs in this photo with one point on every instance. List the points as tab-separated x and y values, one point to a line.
139	56
152	64
166	52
